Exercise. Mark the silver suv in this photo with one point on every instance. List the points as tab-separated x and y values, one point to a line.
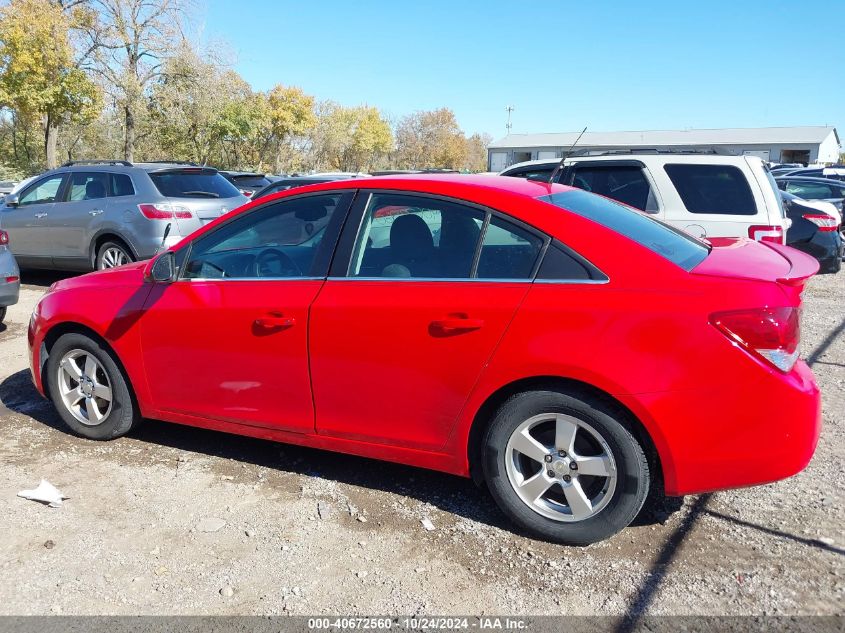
99	214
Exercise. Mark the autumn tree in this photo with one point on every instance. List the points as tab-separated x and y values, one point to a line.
39	78
130	41
349	139
430	139
476	152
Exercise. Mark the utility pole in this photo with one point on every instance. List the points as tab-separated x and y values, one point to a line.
509	125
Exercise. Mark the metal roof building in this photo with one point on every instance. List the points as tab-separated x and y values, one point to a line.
808	145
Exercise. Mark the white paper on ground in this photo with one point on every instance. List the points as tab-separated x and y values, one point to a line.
45	493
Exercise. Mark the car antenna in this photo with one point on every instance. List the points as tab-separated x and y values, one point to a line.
564	156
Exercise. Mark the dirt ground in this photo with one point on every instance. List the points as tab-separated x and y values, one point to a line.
175	520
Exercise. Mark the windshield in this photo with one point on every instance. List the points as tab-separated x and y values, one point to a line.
193	184
668	242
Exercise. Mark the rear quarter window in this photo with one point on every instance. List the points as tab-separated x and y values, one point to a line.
714	189
676	246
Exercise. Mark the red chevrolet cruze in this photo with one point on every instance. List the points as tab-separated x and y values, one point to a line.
568	351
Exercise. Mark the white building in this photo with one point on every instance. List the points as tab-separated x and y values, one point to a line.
808	145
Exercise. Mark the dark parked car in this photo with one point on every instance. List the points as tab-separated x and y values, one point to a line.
247	182
824	189
813	232
292	182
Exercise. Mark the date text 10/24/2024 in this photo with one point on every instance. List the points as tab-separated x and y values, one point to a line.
418	623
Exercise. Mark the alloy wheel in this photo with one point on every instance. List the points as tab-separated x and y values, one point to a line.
560	467
112	257
84	387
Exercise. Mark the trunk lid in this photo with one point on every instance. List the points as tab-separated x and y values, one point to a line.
203	211
741	258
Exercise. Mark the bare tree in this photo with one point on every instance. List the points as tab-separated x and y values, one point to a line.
130	41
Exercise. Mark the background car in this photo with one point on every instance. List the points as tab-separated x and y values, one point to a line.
814	232
99	214
706	194
10	280
247	182
527	335
292	182
825	189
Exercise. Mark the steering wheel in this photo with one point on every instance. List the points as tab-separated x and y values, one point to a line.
287	267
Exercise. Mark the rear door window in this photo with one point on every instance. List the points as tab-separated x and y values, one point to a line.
193	183
715	189
87	186
508	251
627	184
662	239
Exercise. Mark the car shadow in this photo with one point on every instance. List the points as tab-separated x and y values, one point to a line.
44	278
449	493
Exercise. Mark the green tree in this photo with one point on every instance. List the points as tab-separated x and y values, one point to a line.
39	78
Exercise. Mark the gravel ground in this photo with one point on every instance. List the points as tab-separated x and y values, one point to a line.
174	520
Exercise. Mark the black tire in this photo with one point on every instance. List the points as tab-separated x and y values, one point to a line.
609	421
112	246
2	313
123	415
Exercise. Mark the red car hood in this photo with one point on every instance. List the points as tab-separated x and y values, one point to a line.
742	258
130	274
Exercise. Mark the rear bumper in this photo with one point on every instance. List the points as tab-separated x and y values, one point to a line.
751	434
9	290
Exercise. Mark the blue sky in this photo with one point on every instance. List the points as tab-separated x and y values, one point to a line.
620	65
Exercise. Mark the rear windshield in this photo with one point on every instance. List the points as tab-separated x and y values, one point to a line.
676	246
252	181
197	184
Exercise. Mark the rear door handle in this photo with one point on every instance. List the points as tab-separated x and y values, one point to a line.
457	323
95	212
274	321
40	215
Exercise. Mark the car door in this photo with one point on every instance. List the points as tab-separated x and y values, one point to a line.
69	224
411	313
27	221
229	339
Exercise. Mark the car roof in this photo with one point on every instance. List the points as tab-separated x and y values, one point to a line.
446	184
831	181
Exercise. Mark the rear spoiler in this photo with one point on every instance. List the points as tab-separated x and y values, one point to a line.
802	265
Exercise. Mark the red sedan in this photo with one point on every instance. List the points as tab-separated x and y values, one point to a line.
568	351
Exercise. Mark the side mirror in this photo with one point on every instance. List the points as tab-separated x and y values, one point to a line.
12	200
163	269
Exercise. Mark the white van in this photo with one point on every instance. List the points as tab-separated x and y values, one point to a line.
705	194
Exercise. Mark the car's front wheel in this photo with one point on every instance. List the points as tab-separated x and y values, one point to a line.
88	388
564	466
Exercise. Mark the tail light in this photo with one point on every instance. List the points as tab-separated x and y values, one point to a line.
767	233
772	334
247	192
4	238
824	221
12	279
165	211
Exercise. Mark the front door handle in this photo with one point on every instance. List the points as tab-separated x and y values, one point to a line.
274	321
95	212
455	323
40	215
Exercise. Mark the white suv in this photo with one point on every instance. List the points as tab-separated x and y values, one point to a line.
707	195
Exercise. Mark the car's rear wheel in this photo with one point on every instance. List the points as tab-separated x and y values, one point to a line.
112	254
2	314
564	466
88	388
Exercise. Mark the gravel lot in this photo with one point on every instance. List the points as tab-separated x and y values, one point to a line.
175	520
